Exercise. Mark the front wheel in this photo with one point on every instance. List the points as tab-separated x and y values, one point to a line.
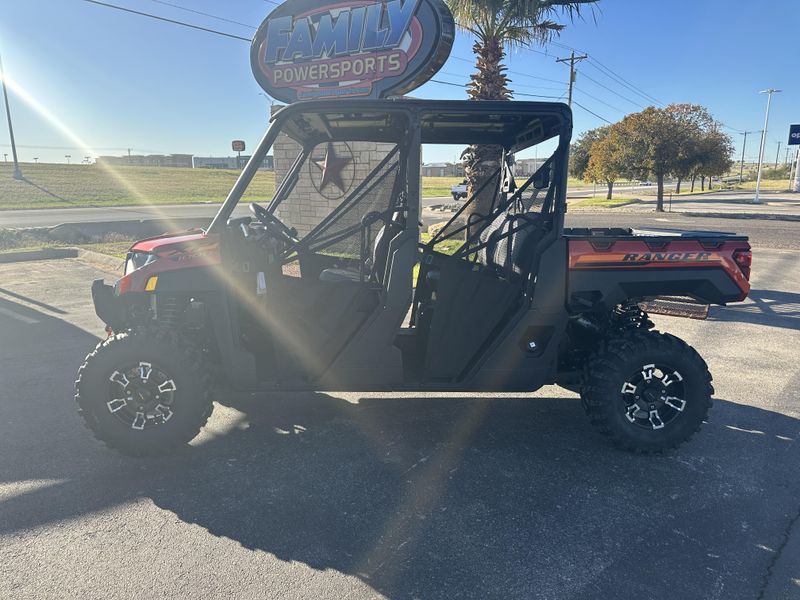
144	393
646	391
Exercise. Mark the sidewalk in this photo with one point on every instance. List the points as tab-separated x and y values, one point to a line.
739	204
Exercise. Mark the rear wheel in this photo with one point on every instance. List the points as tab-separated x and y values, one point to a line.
646	391
144	393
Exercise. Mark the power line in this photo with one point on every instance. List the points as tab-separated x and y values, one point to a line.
462	86
525	87
205	14
244	39
472	62
576	103
596	99
616	93
620	80
611	74
173	21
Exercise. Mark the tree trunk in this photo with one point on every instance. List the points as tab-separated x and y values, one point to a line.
693	180
709	183
610	190
488	83
702	183
678	187
659	192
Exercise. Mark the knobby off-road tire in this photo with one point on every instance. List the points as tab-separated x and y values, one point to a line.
144	392
646	391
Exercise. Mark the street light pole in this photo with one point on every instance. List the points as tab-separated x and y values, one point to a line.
17	172
768	92
778	154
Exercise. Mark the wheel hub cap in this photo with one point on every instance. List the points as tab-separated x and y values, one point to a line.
654	396
141	396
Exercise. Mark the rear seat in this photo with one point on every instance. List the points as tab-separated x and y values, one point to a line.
509	240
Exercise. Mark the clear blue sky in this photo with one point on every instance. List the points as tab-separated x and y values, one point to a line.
118	80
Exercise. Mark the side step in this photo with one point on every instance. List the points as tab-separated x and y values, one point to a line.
675	306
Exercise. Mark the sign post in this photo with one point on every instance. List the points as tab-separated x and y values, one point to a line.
794	140
238	146
315	49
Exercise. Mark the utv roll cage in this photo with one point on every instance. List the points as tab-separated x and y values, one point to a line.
514	126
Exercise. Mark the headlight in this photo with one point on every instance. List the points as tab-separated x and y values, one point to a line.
137	260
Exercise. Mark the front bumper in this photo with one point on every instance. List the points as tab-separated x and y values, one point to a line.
108	306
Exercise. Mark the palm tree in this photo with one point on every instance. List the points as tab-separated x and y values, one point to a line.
496	25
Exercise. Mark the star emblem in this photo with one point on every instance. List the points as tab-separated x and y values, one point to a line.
332	167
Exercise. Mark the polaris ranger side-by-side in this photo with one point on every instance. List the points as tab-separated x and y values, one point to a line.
356	302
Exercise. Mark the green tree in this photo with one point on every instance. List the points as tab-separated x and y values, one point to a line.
717	151
662	141
606	159
497	25
580	151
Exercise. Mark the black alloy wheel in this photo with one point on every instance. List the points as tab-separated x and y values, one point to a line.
646	391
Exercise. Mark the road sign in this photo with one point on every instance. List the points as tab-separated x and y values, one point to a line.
307	49
794	135
238	145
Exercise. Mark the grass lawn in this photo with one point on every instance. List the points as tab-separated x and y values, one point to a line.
13	240
766	184
64	186
71	186
603	202
433	187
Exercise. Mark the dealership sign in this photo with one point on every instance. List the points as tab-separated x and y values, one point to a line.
794	135
308	49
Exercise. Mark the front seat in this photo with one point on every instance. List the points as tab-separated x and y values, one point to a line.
379	259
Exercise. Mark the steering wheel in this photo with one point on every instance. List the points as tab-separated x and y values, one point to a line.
273	224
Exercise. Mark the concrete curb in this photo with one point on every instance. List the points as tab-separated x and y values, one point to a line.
106	261
43	254
732	215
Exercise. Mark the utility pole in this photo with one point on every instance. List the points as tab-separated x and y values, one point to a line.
777	154
744	145
572	60
17	172
768	92
786	158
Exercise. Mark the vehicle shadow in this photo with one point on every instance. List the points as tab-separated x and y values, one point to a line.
767	307
435	497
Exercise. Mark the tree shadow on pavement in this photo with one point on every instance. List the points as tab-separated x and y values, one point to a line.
765	307
423	497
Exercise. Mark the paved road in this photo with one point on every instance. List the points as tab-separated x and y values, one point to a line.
56	216
401	496
763	233
722	202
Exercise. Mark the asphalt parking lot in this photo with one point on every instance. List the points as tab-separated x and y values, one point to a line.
397	496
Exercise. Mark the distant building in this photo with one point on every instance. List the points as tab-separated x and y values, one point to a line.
230	162
150	160
444	169
526	167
